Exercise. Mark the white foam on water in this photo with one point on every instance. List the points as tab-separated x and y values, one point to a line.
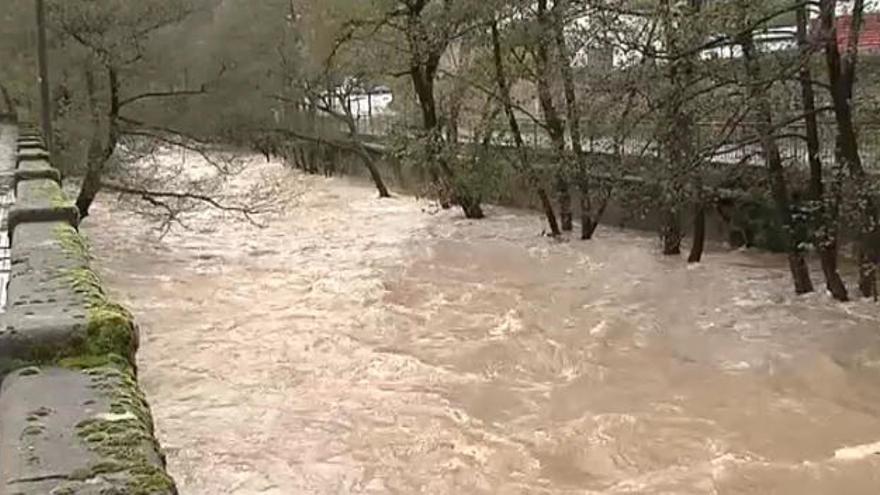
858	452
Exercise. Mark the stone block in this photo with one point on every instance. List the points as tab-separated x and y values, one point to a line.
29	154
41	200
46	314
38	169
30	143
78	432
56	306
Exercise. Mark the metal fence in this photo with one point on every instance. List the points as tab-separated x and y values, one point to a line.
718	144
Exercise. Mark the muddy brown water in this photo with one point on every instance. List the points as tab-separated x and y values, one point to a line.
357	345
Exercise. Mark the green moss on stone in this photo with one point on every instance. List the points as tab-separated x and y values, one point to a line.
56	196
72	241
124	437
85	362
110	328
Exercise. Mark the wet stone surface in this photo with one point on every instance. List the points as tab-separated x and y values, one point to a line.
44	310
76	433
40	200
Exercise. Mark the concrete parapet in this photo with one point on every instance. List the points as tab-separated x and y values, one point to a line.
72	419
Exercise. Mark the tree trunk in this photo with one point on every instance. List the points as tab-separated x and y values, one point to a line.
671	232
676	138
363	152
826	215
563	196
779	188
524	166
375	175
587	226
423	85
426	53
841	75
471	208
89	190
698	246
589	223
100	149
554	125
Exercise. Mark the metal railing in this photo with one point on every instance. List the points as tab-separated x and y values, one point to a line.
738	146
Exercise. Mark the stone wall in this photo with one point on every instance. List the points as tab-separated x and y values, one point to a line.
72	417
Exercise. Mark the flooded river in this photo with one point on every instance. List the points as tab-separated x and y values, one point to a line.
357	345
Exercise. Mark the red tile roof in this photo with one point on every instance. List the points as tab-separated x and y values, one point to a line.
869	38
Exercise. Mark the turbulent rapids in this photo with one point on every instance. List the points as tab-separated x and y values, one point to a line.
358	345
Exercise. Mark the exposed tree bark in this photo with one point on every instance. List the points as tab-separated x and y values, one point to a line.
507	103
779	188
841	74
554	125
101	147
825	209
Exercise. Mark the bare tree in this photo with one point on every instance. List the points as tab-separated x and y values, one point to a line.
842	77
525	166
764	128
826	205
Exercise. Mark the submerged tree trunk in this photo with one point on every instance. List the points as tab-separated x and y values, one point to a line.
524	166
841	75
671	232
472	208
375	175
779	188
825	209
698	246
362	151
590	222
563	196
